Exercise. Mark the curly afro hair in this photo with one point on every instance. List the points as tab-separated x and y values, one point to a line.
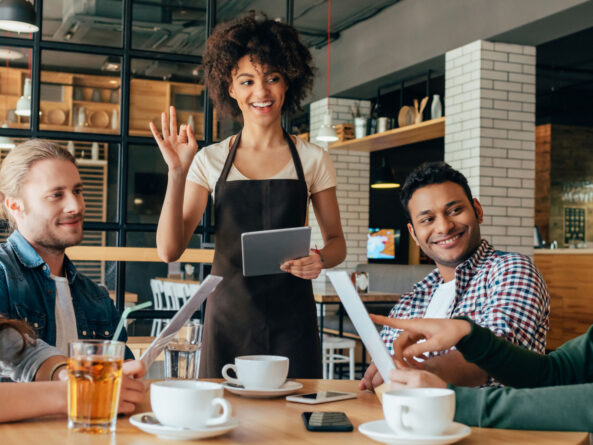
267	42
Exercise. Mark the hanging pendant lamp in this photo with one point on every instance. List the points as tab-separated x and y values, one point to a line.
327	133
23	105
5	141
17	16
385	179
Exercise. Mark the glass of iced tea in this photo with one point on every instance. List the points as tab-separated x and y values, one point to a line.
94	381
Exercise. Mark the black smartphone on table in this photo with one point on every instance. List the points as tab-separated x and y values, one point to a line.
326	421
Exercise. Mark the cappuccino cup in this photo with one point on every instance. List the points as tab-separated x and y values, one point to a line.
189	404
419	411
258	372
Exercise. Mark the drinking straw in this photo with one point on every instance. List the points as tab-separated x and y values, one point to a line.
125	314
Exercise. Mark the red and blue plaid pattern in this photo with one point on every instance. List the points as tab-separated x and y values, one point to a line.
502	291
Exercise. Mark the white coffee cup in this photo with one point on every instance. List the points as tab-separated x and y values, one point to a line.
189	404
258	371
419	411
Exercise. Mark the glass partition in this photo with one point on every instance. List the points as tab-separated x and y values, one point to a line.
15	88
171	27
86	22
156	85
80	92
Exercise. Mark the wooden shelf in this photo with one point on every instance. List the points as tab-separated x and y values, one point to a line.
424	131
90	103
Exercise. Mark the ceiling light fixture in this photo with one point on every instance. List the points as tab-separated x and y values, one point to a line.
23	105
17	16
112	64
386	178
7	54
327	132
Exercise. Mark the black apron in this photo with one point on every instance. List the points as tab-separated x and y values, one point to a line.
272	314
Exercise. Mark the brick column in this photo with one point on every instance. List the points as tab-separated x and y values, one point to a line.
490	135
353	174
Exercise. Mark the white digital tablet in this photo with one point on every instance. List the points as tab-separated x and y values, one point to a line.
362	322
265	250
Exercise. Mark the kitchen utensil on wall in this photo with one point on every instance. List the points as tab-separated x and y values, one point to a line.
96	97
383	124
99	119
418	111
436	107
360	127
114	120
77	95
56	116
81	121
405	116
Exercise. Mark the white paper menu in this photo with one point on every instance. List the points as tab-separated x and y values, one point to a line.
362	322
177	322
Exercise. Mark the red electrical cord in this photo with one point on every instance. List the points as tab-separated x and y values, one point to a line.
329	13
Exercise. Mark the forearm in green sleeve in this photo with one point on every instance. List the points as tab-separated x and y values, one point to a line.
554	408
518	367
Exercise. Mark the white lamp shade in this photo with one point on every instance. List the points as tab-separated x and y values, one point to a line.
17	16
5	141
327	133
23	105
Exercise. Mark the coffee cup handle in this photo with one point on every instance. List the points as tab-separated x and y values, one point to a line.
226	412
225	373
399	417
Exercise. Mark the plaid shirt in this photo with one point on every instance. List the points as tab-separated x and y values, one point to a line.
502	291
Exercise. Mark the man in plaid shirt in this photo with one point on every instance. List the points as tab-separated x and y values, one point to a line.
502	291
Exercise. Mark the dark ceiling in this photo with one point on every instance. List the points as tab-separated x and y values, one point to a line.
564	80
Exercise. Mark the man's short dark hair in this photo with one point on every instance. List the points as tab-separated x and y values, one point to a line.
431	173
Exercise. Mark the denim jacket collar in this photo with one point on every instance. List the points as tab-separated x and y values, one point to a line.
29	257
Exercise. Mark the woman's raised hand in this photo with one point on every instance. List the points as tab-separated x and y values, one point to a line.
178	147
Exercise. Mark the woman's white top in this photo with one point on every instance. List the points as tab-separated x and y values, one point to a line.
318	167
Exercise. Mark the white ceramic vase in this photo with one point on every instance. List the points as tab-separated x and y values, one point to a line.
436	108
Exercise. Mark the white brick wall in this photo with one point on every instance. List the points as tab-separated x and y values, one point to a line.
353	174
490	135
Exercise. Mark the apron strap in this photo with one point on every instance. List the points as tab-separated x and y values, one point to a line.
233	151
295	157
230	158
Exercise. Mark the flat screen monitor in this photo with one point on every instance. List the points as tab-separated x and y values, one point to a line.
382	243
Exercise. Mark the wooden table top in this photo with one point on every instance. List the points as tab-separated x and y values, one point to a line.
268	422
129	297
368	297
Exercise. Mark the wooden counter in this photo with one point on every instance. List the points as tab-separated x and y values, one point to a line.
568	274
268	422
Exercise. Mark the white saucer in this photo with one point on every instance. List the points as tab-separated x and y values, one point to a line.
172	432
288	387
379	430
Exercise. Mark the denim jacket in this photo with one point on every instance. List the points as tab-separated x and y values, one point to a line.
28	292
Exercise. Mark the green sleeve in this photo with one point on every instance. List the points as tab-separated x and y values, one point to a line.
561	408
571	363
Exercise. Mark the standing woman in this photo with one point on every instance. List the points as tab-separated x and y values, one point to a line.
260	179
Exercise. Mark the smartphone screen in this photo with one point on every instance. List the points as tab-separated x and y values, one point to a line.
326	421
321	395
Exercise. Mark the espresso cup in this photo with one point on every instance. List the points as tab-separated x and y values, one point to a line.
258	371
189	404
419	411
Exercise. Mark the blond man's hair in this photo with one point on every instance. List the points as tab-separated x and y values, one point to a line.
17	164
